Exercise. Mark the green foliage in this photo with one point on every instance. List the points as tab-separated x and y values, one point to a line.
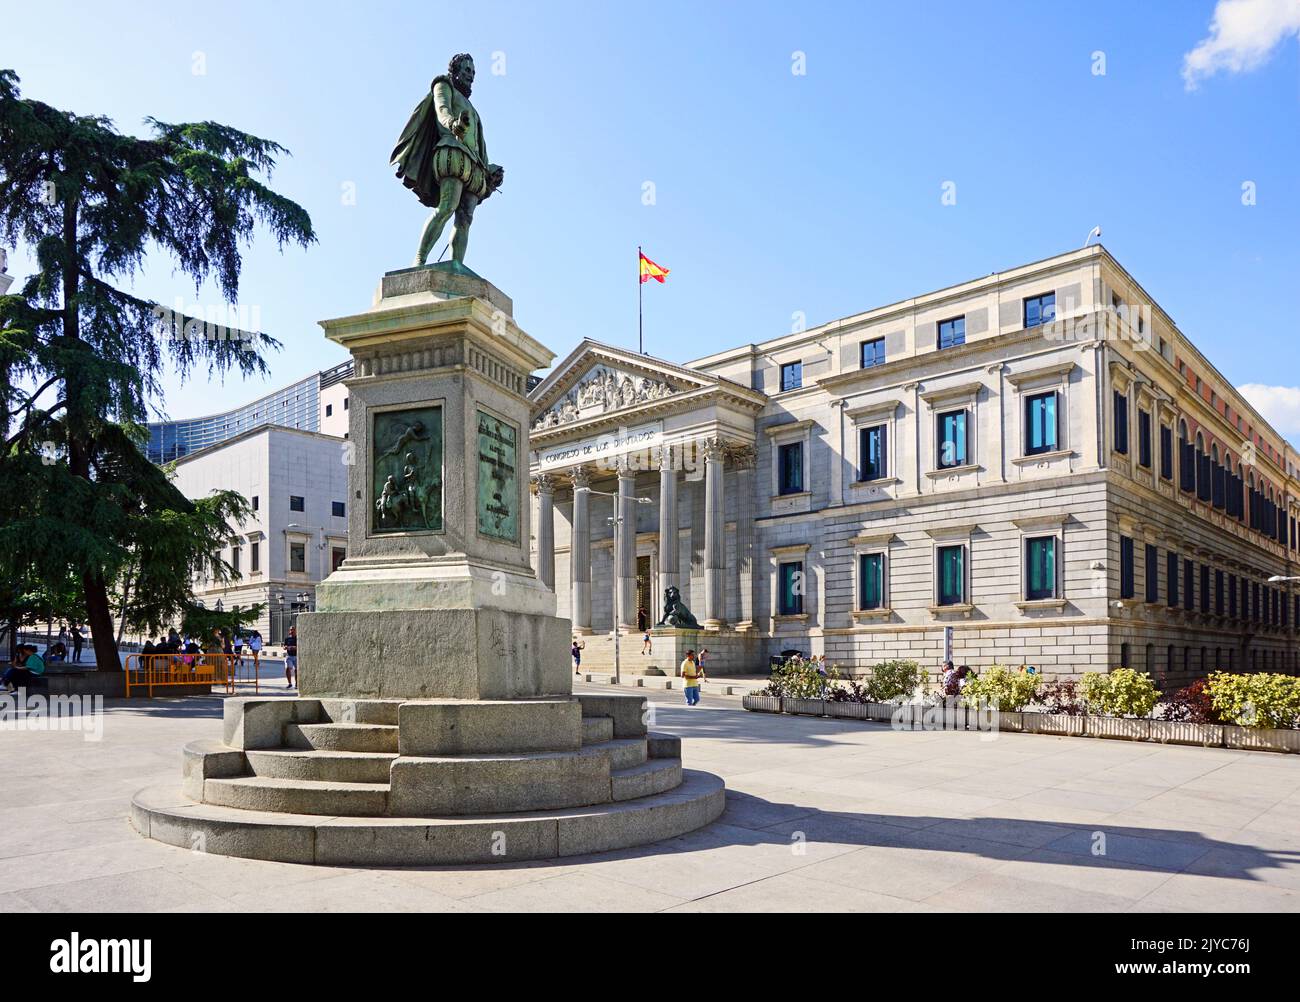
800	679
1001	688
1256	700
1121	692
82	513
894	680
198	621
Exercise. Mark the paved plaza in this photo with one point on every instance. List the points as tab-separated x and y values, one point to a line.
821	815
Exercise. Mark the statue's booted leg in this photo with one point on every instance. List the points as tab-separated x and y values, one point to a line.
449	192
460	230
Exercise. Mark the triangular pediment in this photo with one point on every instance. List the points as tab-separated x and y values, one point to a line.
597	379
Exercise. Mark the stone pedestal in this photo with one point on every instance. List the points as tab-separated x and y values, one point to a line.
436	597
436	723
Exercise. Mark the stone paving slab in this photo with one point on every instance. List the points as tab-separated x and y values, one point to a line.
821	814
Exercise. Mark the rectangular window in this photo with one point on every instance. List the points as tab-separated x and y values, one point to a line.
254	502
1166	453
873	457
329	410
1126	589
234	558
1153	574
789	461
1040	568
295	503
336	557
951	446
871	583
790	597
952	575
1040	423
791	376
1205	587
1121	423
255	557
338	509
1144	439
1040	309
1189	584
1232	596
298	557
1218	593
952	332
345	403
873	353
1171	579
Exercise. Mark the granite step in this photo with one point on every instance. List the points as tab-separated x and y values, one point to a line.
658	775
624	753
297	796
596	730
164	813
327	766
342	737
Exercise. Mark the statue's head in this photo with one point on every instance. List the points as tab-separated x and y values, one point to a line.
671	595
461	71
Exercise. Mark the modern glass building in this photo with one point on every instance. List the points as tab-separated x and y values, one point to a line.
295	406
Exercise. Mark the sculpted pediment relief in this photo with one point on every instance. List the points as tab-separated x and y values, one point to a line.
604	388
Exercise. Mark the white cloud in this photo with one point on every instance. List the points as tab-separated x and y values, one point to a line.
1280	406
1243	33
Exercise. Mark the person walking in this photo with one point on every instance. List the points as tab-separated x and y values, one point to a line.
238	644
692	674
646	646
78	641
255	645
576	652
291	658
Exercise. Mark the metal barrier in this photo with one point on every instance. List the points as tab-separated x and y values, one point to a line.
145	671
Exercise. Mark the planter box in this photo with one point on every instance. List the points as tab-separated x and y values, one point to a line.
761	704
1261	738
1182	732
883	712
1012	721
806	707
1125	728
848	711
1054	723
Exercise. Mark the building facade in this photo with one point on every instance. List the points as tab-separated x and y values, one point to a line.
316	403
297	484
1038	459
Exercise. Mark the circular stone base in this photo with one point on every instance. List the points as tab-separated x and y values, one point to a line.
165	814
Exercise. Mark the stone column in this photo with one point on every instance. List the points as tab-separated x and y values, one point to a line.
545	530
745	537
627	544
668	542
580	553
715	535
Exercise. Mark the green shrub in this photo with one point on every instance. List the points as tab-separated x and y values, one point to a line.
1001	688
894	680
800	679
1121	692
1256	700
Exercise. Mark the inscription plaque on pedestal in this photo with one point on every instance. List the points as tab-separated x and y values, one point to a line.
406	471
498	483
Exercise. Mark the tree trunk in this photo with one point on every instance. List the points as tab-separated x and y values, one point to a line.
98	614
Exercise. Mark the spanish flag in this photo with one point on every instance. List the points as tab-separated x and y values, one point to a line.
651	270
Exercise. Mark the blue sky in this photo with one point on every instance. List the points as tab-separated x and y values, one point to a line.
775	192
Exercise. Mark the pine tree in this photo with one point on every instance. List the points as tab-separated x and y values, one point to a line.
80	358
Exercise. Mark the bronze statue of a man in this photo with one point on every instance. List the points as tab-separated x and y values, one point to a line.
441	156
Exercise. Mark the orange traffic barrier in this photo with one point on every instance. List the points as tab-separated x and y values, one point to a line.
145	671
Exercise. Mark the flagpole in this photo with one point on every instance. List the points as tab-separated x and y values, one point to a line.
640	322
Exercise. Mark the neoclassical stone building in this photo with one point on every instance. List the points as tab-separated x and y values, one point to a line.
1038	459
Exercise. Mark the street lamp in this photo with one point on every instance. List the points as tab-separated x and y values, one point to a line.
616	520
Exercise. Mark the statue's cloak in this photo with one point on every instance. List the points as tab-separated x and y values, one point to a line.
420	140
